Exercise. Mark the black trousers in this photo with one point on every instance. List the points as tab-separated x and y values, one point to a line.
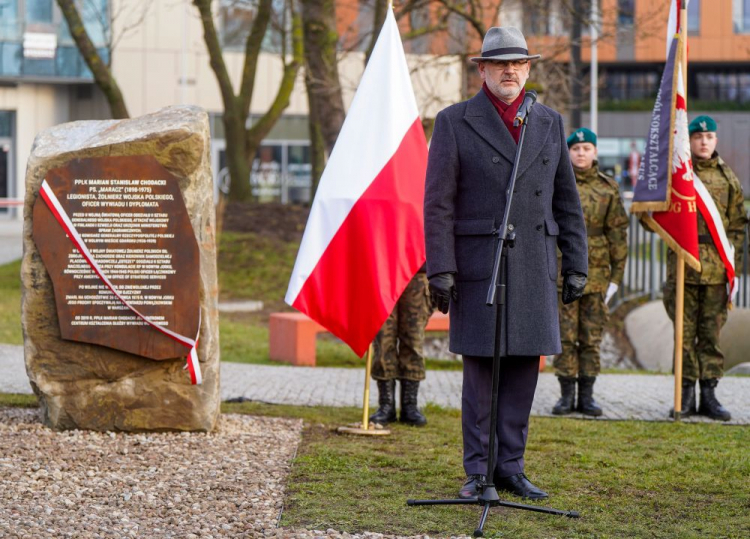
518	378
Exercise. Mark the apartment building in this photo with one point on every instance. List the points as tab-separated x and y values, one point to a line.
159	58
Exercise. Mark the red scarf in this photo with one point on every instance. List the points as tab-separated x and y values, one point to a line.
506	111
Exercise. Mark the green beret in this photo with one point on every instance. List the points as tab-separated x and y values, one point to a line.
702	124
582	135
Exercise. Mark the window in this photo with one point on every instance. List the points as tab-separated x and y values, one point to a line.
625	85
237	16
95	16
536	18
694	17
9	24
741	16
39	11
419	18
723	85
236	22
625	12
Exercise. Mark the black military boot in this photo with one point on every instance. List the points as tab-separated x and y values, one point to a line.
567	402
410	414
688	400
710	405
586	403
386	403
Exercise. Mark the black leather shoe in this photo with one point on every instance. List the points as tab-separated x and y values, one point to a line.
520	485
471	487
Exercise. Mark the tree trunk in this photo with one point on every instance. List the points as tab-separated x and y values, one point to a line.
238	162
317	145
381	7
321	75
102	74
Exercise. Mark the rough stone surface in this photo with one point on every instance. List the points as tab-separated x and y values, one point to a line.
742	368
651	333
94	387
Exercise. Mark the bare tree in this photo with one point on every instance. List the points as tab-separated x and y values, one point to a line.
101	70
243	141
321	63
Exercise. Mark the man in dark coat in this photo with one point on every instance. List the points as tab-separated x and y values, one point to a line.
470	160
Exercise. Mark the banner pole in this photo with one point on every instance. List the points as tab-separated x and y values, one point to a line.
679	313
366	428
679	316
366	403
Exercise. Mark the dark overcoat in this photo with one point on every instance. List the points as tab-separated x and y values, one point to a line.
470	160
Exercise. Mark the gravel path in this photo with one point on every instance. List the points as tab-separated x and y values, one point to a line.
82	484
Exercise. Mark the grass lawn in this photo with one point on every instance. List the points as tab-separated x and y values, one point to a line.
10	303
627	479
252	266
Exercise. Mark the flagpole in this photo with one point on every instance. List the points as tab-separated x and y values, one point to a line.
366	403
678	332
679	316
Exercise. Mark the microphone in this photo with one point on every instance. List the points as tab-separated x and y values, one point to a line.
523	111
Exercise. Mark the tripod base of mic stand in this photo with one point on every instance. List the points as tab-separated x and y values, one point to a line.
488	499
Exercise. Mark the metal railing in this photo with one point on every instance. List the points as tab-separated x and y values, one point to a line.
646	267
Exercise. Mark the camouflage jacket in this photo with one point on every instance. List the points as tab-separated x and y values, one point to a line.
726	191
607	226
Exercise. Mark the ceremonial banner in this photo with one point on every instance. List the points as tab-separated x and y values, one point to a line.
667	186
364	240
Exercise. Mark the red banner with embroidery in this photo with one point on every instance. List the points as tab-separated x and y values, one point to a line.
668	188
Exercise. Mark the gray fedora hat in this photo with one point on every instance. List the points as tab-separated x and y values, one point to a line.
504	43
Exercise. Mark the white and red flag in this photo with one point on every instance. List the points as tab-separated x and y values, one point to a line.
668	188
364	239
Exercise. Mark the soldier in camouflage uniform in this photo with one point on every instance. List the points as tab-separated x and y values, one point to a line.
397	353
582	322
706	292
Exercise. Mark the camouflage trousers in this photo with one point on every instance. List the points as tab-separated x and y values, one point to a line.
705	314
581	327
397	350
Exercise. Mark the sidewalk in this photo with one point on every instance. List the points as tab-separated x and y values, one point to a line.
644	397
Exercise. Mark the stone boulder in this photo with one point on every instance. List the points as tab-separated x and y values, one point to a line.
651	333
95	387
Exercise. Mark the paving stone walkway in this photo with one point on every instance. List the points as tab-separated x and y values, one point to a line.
645	397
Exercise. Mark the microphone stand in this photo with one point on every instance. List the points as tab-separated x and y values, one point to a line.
496	295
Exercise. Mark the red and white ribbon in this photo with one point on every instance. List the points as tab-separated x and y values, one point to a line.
62	218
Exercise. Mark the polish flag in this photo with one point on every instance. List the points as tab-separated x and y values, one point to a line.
364	239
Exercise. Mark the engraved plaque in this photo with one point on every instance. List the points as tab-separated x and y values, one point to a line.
130	214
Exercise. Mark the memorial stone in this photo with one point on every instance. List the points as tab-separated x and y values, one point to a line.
119	274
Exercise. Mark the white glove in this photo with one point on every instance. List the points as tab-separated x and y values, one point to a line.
611	290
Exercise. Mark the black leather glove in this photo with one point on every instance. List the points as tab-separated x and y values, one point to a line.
442	290
573	285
